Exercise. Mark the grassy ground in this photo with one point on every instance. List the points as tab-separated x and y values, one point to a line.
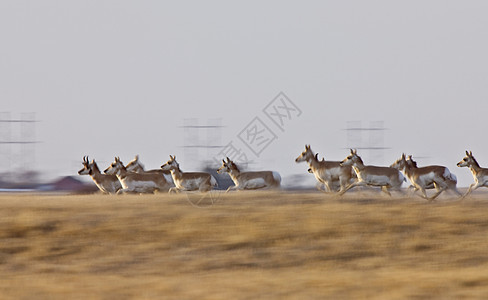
246	246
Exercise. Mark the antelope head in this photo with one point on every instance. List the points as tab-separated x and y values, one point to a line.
400	163
410	162
171	164
306	155
227	166
115	167
134	165
467	161
87	170
352	159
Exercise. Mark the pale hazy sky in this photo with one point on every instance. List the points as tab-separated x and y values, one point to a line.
110	78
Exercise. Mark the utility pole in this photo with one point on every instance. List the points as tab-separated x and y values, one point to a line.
201	142
369	139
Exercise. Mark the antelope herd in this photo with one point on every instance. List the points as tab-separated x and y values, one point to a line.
333	176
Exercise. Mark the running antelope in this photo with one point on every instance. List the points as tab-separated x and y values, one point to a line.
413	163
480	174
428	177
108	184
137	182
186	181
249	180
137	167
385	177
330	173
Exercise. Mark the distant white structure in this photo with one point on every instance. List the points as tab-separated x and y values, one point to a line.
17	144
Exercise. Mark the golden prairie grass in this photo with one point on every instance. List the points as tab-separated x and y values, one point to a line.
246	246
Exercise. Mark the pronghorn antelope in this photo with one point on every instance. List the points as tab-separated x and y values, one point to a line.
109	184
413	163
137	167
137	182
186	181
428	177
330	173
480	174
385	177
249	180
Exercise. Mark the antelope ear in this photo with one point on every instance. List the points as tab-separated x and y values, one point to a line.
136	157
410	157
471	153
171	157
223	160
228	159
403	155
467	153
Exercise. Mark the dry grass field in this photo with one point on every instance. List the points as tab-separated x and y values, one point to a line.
246	246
